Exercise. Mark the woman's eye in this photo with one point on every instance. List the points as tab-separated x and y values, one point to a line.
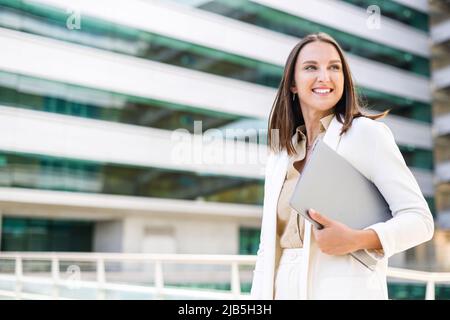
335	67
310	68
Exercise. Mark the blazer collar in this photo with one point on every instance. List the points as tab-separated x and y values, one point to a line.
332	137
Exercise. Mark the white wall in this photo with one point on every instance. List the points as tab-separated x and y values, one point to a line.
108	236
190	235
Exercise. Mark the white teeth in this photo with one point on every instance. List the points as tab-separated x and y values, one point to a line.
322	90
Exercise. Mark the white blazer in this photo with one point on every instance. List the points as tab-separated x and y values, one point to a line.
370	147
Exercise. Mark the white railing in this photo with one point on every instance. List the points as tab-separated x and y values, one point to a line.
159	290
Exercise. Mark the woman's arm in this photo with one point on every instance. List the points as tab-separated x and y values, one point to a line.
412	222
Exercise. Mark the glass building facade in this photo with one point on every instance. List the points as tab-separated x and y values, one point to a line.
439	18
32	90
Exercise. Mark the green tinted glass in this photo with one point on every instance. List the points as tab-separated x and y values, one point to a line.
50	22
397	11
96	33
432	204
51	173
43	95
400	106
286	23
29	234
417	158
248	240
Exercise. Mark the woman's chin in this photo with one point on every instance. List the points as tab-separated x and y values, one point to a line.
321	104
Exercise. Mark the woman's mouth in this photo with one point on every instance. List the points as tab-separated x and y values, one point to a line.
322	91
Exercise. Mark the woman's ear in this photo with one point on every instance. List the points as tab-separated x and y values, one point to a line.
293	88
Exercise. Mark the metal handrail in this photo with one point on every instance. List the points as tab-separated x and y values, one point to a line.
159	290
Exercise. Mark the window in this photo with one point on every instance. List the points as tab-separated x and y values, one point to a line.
29	234
248	240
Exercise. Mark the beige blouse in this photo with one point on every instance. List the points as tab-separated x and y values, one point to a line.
290	225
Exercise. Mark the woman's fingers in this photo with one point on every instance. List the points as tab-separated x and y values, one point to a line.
320	218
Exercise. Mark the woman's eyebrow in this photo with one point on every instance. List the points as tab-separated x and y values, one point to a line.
315	62
310	61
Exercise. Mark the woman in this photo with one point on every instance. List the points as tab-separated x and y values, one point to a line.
317	100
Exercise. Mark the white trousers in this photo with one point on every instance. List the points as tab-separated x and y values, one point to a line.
290	280
291	276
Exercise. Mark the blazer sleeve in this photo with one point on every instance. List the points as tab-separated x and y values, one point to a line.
412	222
255	291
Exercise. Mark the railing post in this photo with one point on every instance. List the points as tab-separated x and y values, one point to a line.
159	280
235	281
101	295
430	290
19	275
55	276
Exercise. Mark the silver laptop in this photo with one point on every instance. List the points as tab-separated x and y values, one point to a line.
333	187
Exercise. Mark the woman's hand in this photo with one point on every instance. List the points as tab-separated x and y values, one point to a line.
335	238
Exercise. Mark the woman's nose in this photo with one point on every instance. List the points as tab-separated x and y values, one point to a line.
324	75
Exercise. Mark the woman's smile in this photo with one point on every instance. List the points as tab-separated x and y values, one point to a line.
322	91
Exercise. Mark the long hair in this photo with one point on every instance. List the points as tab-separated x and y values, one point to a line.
286	114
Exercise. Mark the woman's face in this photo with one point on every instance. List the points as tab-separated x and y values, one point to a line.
319	79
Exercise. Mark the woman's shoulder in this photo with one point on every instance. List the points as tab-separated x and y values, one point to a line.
365	133
369	127
365	142
366	123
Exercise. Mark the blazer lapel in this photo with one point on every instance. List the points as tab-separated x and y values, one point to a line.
332	137
275	180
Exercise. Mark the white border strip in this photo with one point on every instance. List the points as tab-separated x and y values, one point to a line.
158	16
104	206
352	19
71	137
56	60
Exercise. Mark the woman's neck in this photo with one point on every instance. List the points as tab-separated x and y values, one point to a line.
312	123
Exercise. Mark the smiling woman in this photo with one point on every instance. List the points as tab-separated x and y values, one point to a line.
316	99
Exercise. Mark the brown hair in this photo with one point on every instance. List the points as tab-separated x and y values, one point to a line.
286	114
